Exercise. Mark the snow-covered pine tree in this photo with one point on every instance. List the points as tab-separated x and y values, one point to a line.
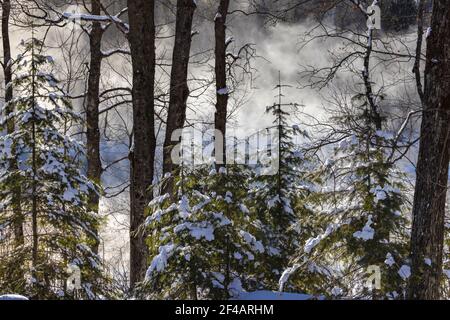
59	228
278	199
203	239
360	213
360	244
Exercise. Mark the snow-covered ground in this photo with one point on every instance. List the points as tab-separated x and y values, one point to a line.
13	297
275	295
256	295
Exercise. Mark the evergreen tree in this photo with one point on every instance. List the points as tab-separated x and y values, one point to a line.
203	242
59	227
359	214
278	197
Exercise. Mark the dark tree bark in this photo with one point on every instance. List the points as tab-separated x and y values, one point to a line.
220	117
10	127
179	91
94	171
375	117
416	69
6	12
34	168
432	167
142	153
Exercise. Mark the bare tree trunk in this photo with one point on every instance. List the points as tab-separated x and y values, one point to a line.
92	111
17	210
142	153
432	168
179	91
416	69
34	208
6	11
375	116
18	220
220	117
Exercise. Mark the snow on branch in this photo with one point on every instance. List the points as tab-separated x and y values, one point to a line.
124	27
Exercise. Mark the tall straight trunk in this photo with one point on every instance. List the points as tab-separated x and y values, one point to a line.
427	239
34	208
179	90
375	116
7	64
220	117
416	69
6	11
142	153
94	171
